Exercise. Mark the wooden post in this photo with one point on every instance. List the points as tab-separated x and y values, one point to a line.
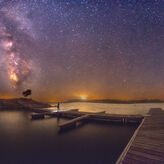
123	120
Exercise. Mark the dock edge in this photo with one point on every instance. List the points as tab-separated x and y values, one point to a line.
123	154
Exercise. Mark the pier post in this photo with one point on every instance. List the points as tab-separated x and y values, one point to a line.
123	121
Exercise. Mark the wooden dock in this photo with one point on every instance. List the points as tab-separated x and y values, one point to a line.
103	117
73	122
49	113
97	116
147	144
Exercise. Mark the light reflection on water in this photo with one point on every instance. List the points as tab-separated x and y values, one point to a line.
112	108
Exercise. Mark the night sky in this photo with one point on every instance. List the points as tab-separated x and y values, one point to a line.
65	49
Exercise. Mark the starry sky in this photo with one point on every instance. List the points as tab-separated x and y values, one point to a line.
65	49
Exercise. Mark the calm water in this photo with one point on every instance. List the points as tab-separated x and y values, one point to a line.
113	108
23	141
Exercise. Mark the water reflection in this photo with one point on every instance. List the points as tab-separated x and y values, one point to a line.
25	141
112	108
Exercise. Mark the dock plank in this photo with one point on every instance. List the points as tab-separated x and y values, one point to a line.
147	150
147	146
70	122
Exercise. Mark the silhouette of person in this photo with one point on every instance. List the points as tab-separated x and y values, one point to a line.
58	106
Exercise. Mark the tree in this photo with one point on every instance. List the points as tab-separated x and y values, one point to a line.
27	92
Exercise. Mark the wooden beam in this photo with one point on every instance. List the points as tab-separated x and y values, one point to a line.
73	121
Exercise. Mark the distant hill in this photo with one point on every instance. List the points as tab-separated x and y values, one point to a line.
115	101
21	103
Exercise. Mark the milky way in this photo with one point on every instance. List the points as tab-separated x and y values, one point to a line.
18	67
62	49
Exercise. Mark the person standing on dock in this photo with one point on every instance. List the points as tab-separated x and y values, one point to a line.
58	106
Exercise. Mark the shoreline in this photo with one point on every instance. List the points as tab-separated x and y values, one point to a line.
23	104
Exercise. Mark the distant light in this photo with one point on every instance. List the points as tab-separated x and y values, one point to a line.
83	97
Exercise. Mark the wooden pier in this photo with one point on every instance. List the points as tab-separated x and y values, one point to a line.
103	117
73	122
97	116
147	144
48	113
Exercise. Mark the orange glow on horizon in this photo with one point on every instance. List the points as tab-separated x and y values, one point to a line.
81	96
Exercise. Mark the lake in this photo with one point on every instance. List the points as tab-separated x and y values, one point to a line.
111	108
26	141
